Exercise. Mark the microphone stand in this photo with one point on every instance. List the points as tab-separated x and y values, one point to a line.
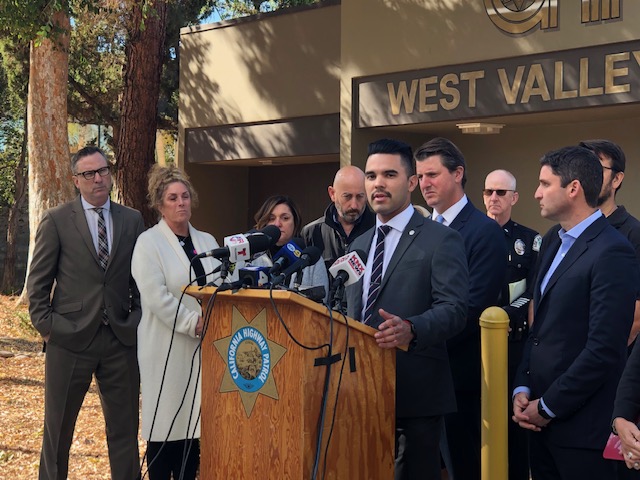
224	268
337	297
296	279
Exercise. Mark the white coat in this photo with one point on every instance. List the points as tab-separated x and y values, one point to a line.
160	268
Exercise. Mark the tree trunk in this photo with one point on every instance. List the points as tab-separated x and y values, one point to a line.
48	139
136	139
20	196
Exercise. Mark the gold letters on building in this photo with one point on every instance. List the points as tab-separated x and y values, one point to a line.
600	75
520	16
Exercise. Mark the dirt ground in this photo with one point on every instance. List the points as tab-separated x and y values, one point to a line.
22	411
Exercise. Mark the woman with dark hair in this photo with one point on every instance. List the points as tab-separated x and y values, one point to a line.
281	211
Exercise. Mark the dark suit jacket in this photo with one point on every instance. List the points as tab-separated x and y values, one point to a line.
426	283
64	253
487	256
576	349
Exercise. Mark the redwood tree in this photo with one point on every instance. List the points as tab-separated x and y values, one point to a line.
139	107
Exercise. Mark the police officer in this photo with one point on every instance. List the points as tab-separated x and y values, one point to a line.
523	245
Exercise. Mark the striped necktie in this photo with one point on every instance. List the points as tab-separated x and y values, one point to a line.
376	273
103	242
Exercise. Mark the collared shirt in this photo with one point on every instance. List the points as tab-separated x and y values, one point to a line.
397	224
92	220
568	238
452	212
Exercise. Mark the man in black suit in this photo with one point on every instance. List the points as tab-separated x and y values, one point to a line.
613	163
414	292
84	303
442	176
583	304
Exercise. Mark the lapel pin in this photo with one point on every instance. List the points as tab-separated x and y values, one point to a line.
411	232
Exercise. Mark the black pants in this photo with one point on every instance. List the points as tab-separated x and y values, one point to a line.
167	458
418	448
551	462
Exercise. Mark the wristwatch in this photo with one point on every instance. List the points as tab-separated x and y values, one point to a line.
542	411
414	340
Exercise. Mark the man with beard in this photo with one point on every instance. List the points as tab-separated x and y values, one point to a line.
613	163
345	219
414	292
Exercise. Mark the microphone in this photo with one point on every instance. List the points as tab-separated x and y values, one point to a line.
309	256
251	277
270	231
347	269
257	277
288	254
239	247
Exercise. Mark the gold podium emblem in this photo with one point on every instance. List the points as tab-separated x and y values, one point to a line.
250	357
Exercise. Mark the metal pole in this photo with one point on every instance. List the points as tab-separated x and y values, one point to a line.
494	332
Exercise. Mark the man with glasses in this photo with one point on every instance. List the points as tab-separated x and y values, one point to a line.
442	176
85	304
523	245
613	163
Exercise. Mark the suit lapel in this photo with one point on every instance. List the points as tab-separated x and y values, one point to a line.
79	219
580	246
462	217
117	224
410	233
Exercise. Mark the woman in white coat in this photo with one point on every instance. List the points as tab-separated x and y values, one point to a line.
170	329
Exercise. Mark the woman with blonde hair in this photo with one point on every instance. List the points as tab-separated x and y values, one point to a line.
164	260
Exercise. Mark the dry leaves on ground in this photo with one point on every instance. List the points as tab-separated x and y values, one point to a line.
22	411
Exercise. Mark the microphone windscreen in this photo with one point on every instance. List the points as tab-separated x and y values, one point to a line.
272	232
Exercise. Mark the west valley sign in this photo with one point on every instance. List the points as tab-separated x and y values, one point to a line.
602	75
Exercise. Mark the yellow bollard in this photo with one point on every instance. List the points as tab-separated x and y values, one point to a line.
494	333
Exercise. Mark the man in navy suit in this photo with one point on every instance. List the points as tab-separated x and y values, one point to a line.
584	299
415	293
442	176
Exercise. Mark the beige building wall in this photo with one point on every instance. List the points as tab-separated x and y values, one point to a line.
404	35
260	79
262	73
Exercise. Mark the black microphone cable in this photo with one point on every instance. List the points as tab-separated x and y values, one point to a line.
339	384
166	364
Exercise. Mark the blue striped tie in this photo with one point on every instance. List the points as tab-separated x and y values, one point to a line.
376	273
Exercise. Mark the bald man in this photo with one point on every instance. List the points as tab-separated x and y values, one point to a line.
523	244
345	219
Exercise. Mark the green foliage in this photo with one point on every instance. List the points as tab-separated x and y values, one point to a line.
14	74
96	62
228	9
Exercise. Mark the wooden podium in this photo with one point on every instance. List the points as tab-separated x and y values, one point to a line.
262	392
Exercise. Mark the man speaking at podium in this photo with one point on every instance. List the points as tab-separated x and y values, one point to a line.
414	291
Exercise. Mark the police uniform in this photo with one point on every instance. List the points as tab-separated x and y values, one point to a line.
523	245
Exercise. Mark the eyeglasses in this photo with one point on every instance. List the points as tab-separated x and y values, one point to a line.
487	192
91	174
609	168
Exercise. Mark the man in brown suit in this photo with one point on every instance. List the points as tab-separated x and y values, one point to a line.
84	303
